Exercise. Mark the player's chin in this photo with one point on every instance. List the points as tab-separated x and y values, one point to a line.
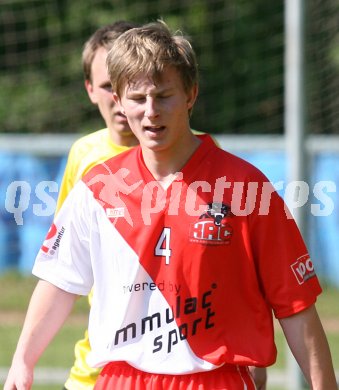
120	119
122	127
155	145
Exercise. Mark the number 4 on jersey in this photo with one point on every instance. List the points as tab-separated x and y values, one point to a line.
163	245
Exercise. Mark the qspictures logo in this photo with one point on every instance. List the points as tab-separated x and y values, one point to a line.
244	197
19	197
52	240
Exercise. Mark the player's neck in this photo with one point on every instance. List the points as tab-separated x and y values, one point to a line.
165	164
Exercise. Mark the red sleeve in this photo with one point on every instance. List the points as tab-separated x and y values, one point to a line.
284	267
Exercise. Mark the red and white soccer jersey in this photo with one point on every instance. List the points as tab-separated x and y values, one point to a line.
185	278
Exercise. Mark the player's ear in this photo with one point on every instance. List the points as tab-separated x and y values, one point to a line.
116	98
90	91
192	96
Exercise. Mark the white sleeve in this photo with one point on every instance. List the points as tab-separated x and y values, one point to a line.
64	258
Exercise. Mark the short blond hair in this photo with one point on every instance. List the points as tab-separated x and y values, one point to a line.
148	50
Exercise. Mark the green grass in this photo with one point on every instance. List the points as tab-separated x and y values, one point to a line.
58	354
15	291
328	303
328	309
48	387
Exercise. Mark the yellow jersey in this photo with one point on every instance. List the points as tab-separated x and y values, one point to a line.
85	153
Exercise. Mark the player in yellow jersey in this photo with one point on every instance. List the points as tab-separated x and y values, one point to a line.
93	149
117	136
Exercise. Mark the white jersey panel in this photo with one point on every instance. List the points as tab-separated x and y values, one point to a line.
130	319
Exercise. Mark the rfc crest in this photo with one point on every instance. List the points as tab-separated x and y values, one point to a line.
217	211
213	227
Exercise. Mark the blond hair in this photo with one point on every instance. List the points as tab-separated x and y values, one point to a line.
148	50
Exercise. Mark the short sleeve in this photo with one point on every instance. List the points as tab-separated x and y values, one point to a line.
284	267
64	258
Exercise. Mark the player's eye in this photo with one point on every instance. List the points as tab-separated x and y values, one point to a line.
138	99
164	96
107	87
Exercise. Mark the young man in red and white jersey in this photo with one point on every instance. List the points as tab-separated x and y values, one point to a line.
93	149
188	247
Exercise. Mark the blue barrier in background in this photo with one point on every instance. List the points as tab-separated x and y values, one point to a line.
29	189
29	179
9	250
324	231
322	236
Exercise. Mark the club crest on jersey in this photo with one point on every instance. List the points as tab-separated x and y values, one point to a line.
212	228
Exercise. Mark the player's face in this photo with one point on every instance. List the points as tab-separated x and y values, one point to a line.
157	111
100	92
